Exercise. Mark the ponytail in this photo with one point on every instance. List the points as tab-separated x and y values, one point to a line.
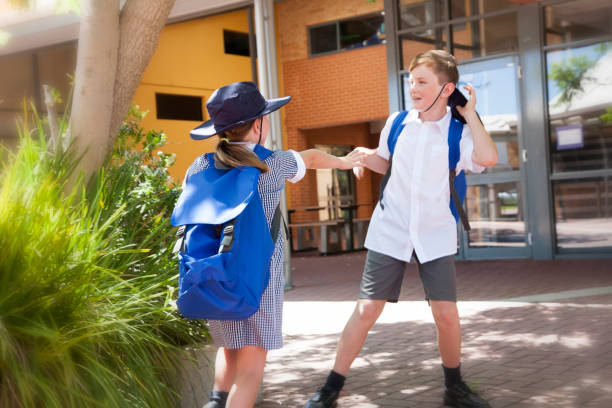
235	155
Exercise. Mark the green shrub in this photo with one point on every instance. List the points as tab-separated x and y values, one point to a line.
87	278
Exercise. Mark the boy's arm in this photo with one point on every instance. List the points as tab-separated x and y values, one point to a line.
317	159
485	151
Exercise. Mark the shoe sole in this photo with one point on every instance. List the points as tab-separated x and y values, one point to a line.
449	403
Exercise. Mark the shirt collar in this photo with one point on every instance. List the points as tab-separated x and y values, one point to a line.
443	123
248	145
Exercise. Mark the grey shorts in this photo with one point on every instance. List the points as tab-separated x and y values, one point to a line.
382	278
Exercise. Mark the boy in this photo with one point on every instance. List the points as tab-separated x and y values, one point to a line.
415	220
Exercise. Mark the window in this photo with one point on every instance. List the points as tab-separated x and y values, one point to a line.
323	39
347	34
467	8
415	13
179	107
577	20
485	37
236	43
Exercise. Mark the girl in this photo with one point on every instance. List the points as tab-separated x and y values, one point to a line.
238	115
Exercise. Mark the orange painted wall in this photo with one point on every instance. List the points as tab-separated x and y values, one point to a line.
190	60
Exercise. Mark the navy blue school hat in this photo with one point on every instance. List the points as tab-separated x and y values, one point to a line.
232	106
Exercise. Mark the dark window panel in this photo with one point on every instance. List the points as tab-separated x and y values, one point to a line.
323	39
362	32
236	43
178	107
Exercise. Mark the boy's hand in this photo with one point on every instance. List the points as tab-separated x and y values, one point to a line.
354	159
470	107
365	152
371	160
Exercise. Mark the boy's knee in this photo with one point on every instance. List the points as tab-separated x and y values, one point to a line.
446	316
369	309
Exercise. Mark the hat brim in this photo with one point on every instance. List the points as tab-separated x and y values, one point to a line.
208	129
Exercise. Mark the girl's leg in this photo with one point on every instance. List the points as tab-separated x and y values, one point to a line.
225	369
249	369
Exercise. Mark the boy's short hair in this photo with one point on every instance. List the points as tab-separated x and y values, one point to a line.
441	62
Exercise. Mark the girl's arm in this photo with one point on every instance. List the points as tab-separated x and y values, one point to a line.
317	159
485	151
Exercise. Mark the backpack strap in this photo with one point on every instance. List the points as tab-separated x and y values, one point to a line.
277	221
396	129
454	138
394	132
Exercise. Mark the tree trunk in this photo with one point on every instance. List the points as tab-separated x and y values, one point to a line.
113	52
141	23
92	103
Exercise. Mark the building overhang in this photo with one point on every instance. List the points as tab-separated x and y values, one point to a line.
36	29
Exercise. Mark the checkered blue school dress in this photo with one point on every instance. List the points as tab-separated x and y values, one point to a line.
264	328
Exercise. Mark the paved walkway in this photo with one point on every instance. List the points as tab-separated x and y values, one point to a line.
535	334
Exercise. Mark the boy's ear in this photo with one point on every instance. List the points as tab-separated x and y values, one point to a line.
449	88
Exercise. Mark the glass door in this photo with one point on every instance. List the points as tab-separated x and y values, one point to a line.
495	201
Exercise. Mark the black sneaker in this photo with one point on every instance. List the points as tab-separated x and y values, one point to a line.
460	396
324	398
214	404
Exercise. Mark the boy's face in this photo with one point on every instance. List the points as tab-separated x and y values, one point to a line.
425	87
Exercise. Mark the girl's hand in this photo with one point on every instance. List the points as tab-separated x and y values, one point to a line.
470	106
354	159
358	172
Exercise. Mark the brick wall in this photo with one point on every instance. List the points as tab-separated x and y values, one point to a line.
295	16
335	95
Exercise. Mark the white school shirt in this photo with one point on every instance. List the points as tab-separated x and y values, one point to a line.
417	216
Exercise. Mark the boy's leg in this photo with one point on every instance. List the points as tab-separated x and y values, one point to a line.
355	332
446	316
381	282
439	281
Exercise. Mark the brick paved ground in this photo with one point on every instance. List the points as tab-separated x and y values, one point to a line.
517	354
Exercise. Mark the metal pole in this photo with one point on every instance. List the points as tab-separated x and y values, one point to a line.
252	45
268	84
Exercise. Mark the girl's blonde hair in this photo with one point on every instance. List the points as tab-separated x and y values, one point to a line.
235	155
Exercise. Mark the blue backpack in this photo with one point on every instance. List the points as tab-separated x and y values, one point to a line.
457	182
225	244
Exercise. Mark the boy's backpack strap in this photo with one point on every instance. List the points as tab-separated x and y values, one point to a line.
457	182
396	129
